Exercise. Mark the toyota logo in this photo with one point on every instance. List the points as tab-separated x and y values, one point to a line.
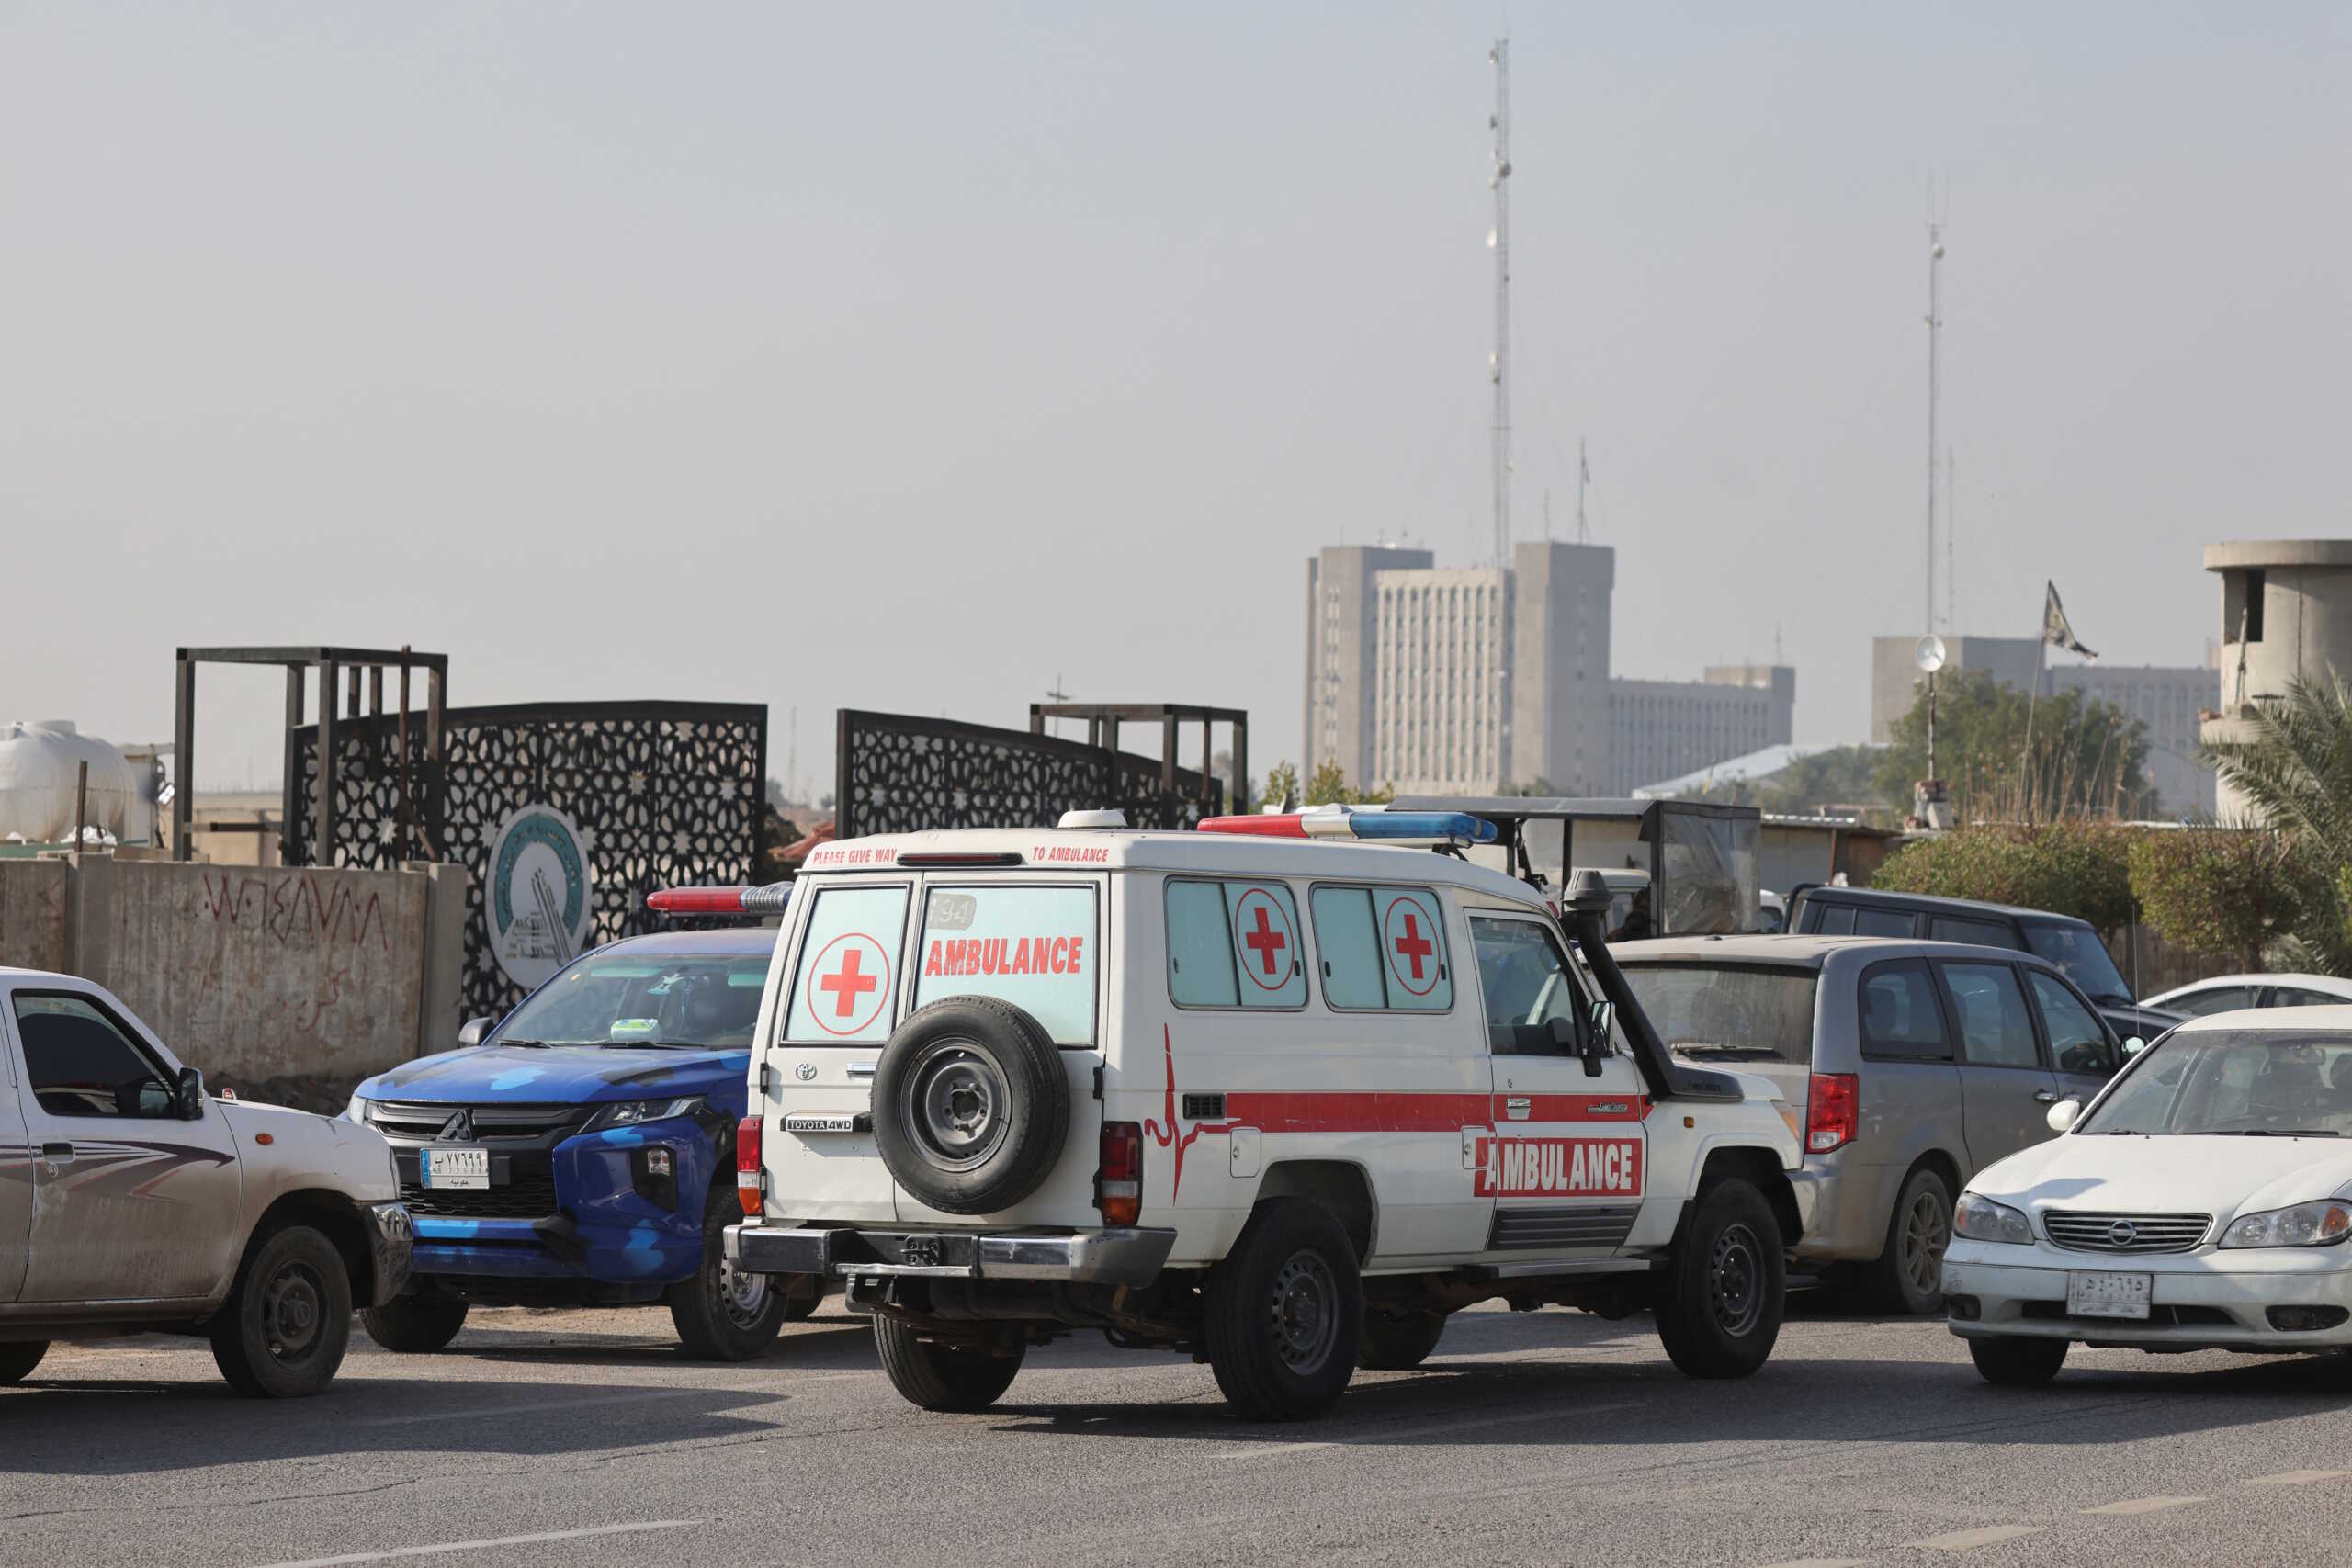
804	1071
2122	1233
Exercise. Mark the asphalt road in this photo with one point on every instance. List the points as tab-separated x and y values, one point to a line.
572	1437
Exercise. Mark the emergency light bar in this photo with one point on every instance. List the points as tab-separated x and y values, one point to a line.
1373	827
768	900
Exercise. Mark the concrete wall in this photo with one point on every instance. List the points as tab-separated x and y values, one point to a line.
254	972
2299	627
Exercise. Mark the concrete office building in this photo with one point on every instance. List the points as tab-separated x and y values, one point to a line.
2168	700
2286	616
1470	680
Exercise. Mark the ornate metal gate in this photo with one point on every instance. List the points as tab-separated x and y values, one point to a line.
899	773
657	794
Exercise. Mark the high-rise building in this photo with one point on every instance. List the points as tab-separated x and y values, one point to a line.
2168	700
1467	680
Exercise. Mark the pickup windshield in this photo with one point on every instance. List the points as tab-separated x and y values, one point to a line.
705	1000
2256	1083
1752	1012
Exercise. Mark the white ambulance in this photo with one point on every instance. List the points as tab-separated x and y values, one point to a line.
1283	1092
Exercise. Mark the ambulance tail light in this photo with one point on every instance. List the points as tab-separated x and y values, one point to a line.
1833	1103
746	1165
768	900
1373	825
1118	1184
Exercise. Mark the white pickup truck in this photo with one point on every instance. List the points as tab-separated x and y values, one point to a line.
1285	1104
131	1201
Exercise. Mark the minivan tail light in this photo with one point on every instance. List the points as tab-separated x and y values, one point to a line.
746	1165
1832	1105
1118	1185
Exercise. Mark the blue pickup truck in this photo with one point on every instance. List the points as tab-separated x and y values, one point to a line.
581	1150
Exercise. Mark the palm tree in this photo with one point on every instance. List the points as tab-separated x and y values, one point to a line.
2297	775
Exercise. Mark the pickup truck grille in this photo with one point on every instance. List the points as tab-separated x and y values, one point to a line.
2089	1232
422	1121
530	1195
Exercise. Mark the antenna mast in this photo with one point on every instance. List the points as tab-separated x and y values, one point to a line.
1584	478
1499	367
1935	390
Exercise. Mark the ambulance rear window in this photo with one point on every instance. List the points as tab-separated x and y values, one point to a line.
1034	947
1234	944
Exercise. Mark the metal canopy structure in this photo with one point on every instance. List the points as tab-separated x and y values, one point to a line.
1102	721
340	694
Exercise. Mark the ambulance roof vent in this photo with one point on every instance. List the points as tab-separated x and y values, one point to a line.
1111	817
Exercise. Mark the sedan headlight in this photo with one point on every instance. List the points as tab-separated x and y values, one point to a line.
1981	1219
2322	1223
629	1112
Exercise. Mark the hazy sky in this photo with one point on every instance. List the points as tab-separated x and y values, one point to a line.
912	357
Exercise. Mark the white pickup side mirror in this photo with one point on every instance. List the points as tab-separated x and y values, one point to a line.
2062	1115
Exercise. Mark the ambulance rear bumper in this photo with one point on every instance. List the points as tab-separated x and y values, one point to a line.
1133	1257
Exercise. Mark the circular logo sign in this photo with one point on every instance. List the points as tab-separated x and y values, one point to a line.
1410	932
1266	948
851	984
535	895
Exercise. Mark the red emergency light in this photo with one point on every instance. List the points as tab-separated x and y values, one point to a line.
768	900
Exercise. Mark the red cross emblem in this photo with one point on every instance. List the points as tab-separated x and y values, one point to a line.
1408	944
1265	933
850	969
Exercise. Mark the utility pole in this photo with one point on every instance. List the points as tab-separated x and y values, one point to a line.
1935	393
1499	367
1056	695
1584	478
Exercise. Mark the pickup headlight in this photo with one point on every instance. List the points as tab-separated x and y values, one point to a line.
1981	1219
2322	1223
629	1112
356	1112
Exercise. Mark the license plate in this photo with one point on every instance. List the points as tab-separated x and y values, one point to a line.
456	1167
2108	1295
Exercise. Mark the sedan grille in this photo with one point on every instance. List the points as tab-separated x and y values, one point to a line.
2082	1231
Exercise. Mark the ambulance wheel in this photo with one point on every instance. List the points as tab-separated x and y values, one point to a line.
970	1106
2017	1361
283	1331
1286	1313
1397	1344
946	1378
18	1357
721	1314
415	1324
1721	1294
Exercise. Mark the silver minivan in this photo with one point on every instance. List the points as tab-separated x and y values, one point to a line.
1913	1065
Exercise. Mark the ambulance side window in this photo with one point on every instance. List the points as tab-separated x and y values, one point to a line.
1383	949
1234	944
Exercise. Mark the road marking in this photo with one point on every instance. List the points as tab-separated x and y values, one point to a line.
486	1545
537	1407
1969	1540
2143	1504
1432	1429
2296	1477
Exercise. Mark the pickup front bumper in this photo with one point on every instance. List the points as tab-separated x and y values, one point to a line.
391	1244
1093	1257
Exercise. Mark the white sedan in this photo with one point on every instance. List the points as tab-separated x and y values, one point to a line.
2229	993
2203	1202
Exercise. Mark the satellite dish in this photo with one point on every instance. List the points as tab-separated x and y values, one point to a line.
1929	654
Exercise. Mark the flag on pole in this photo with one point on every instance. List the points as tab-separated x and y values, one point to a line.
2055	627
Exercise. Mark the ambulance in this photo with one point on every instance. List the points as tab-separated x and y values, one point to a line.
1283	1092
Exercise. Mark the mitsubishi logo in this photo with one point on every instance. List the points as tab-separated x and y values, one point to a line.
2122	1233
459	1129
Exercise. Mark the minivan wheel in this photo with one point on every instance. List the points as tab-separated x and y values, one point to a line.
971	1108
415	1324
1396	1344
1286	1313
946	1378
2015	1360
18	1357
283	1330
1908	1273
1721	1292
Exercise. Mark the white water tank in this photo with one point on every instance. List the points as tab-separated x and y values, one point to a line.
40	764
